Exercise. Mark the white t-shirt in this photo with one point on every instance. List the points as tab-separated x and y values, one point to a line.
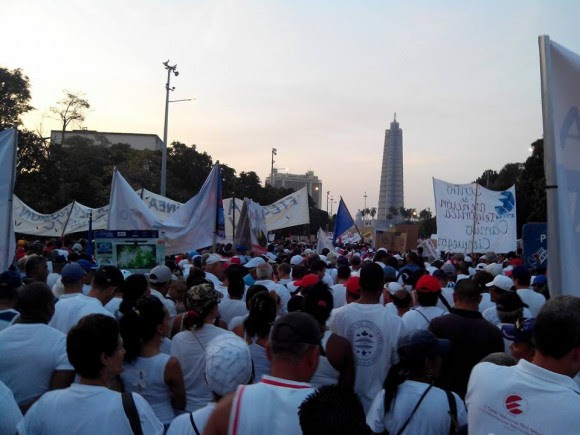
419	317
528	396
373	333
392	308
29	355
189	348
339	295
113	307
485	302
491	315
67	312
230	308
87	410
238	320
282	291
447	293
169	304
431	418
534	300
11	414
182	424
52	278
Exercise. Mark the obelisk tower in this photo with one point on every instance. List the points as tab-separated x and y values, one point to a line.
391	189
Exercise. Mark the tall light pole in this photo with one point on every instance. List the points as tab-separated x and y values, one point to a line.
327	194
365	209
274	152
170	69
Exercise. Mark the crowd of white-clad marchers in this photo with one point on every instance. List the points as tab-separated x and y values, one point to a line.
347	341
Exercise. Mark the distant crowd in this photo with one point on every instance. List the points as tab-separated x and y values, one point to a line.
296	340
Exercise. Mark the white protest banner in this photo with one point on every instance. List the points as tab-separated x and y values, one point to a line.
560	71
126	210
323	242
471	218
80	216
29	221
289	211
8	149
161	206
258	229
232	211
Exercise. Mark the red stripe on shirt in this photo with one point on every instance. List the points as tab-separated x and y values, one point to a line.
237	411
280	384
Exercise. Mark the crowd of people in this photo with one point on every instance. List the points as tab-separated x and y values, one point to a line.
344	341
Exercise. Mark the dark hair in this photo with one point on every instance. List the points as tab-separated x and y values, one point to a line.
332	409
35	301
372	278
427	299
402	299
293	335
413	258
557	327
33	263
139	325
134	287
467	290
318	302
481	278
261	316
107	276
355	260
196	276
343	272
317	265
253	290
380	256
87	340
296	303
236	284
522	275
298	272
284	268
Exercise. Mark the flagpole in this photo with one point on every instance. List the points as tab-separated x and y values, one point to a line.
234	222
215	218
90	236
113	183
67	219
555	278
355	225
9	233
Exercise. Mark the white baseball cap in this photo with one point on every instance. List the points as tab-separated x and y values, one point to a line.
254	262
502	282
228	363
297	260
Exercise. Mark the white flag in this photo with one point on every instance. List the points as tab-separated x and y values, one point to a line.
323	242
288	211
28	221
80	216
8	144
194	224
560	69
126	209
161	206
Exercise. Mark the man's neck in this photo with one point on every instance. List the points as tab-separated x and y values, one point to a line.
369	298
93	293
466	306
288	371
551	364
72	290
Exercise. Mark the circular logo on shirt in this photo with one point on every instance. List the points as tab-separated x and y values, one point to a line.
515	404
367	341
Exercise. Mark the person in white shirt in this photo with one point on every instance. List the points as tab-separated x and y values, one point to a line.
252	291
32	354
409	402
540	396
271	406
228	364
372	331
264	275
104	285
233	305
283	271
534	300
58	262
95	350
420	316
160	279
339	290
11	414
500	284
10	282
72	276
213	266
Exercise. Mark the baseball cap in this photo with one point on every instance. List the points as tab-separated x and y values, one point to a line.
428	284
523	330
254	262
296	260
71	273
108	276
394	287
502	282
494	268
87	265
509	302
213	259
160	275
200	297
448	268
77	247
10	279
390	272
422	344
228	363
309	279
353	285
540	280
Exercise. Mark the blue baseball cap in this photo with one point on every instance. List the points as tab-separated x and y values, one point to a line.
87	265
71	273
422	344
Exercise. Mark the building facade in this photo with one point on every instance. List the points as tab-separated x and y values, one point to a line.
391	196
297	182
137	141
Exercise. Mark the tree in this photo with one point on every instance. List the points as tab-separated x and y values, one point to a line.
71	108
373	212
425	214
394	211
14	97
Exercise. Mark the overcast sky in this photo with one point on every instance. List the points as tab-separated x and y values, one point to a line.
318	80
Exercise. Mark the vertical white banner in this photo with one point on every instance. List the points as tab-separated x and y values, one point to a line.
8	147
560	70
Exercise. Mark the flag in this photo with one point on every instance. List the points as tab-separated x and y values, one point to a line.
343	221
289	211
8	148
193	226
126	209
220	223
323	242
560	73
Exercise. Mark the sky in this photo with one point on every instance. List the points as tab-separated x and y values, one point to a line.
318	80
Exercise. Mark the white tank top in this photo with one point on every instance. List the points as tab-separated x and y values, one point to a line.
325	374
146	376
268	407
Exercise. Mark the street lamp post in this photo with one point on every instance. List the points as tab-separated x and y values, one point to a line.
274	152
170	69
327	194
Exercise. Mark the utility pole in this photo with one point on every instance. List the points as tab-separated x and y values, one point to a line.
274	153
327	194
170	69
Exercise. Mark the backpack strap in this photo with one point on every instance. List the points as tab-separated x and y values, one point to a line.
131	411
444	302
452	412
195	429
422	315
414	410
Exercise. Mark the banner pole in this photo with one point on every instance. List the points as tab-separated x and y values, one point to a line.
67	219
9	232
474	220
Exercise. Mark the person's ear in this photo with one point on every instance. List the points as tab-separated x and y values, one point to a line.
269	351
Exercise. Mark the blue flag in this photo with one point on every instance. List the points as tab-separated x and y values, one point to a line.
220	217
343	221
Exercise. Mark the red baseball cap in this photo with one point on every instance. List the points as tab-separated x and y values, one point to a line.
309	279
353	285
428	284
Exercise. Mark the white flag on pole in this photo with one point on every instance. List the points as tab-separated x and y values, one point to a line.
194	224
323	242
8	146
288	211
560	70
126	209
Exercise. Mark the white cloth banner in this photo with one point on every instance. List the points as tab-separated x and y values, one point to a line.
288	211
258	227
8	140
561	110
161	206
471	218
81	215
232	216
323	242
29	221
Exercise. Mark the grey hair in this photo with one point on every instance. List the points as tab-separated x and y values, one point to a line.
264	271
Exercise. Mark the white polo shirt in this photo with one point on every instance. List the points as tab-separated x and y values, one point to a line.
68	312
521	399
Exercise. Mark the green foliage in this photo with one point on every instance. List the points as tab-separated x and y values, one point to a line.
14	97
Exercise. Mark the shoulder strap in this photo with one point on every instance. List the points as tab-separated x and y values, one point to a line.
422	315
195	429
444	302
452	412
414	410
131	412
